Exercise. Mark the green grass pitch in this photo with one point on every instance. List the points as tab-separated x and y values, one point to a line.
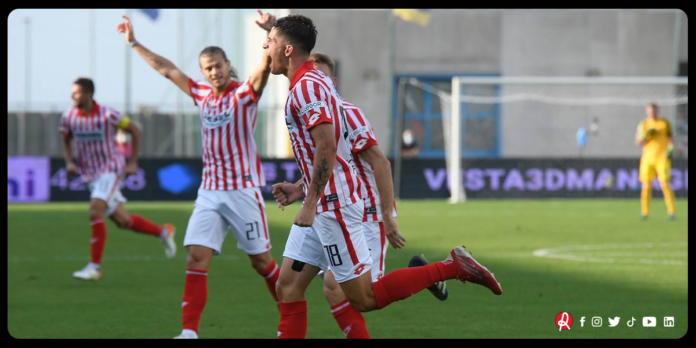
598	260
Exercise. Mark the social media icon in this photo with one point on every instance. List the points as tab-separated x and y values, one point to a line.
614	321
596	321
582	322
563	321
669	321
649	321
630	322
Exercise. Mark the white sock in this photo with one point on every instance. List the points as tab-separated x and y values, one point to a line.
188	332
94	265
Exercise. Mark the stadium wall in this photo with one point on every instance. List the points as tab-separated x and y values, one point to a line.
508	43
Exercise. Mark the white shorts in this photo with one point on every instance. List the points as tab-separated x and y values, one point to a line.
336	241
107	187
216	212
376	238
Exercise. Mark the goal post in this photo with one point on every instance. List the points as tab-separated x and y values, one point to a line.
547	98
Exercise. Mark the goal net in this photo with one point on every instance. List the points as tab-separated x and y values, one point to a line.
549	117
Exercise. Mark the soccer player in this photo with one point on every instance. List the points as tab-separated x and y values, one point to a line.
103	167
654	134
229	196
330	219
375	172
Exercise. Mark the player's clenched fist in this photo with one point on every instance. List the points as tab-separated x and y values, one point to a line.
305	217
286	193
131	168
72	168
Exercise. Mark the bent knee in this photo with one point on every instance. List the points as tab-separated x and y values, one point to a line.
196	260
121	223
364	304
95	214
331	290
260	264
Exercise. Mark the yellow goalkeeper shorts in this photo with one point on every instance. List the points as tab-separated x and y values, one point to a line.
660	166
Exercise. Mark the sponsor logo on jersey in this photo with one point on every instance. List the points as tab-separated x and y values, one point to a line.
316	104
357	132
88	135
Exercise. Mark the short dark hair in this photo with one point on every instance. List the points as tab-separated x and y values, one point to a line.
321	58
86	84
210	50
653	105
299	30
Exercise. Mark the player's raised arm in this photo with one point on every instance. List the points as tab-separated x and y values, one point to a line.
259	77
161	64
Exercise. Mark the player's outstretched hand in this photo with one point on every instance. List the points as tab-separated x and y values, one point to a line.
396	240
305	217
266	21
126	28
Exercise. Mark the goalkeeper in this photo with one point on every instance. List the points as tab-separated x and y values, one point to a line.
654	134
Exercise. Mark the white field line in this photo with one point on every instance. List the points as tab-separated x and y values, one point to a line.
564	253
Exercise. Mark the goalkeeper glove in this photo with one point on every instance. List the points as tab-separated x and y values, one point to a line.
670	150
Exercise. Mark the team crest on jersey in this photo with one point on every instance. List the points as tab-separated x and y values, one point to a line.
316	104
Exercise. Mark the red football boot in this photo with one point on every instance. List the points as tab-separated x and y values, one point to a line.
473	272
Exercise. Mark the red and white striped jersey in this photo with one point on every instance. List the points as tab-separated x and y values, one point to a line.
312	101
361	137
230	159
95	140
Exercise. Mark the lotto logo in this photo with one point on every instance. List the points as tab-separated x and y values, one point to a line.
314	119
359	145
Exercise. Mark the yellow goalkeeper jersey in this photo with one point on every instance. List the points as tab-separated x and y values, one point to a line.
656	134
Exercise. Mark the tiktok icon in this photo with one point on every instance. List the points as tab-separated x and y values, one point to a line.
564	321
630	322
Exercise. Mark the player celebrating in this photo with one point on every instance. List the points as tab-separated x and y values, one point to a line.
333	210
103	166
378	221
655	135
229	196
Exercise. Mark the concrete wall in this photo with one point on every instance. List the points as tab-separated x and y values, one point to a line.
509	43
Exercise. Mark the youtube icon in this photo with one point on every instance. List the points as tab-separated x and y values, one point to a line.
649	321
